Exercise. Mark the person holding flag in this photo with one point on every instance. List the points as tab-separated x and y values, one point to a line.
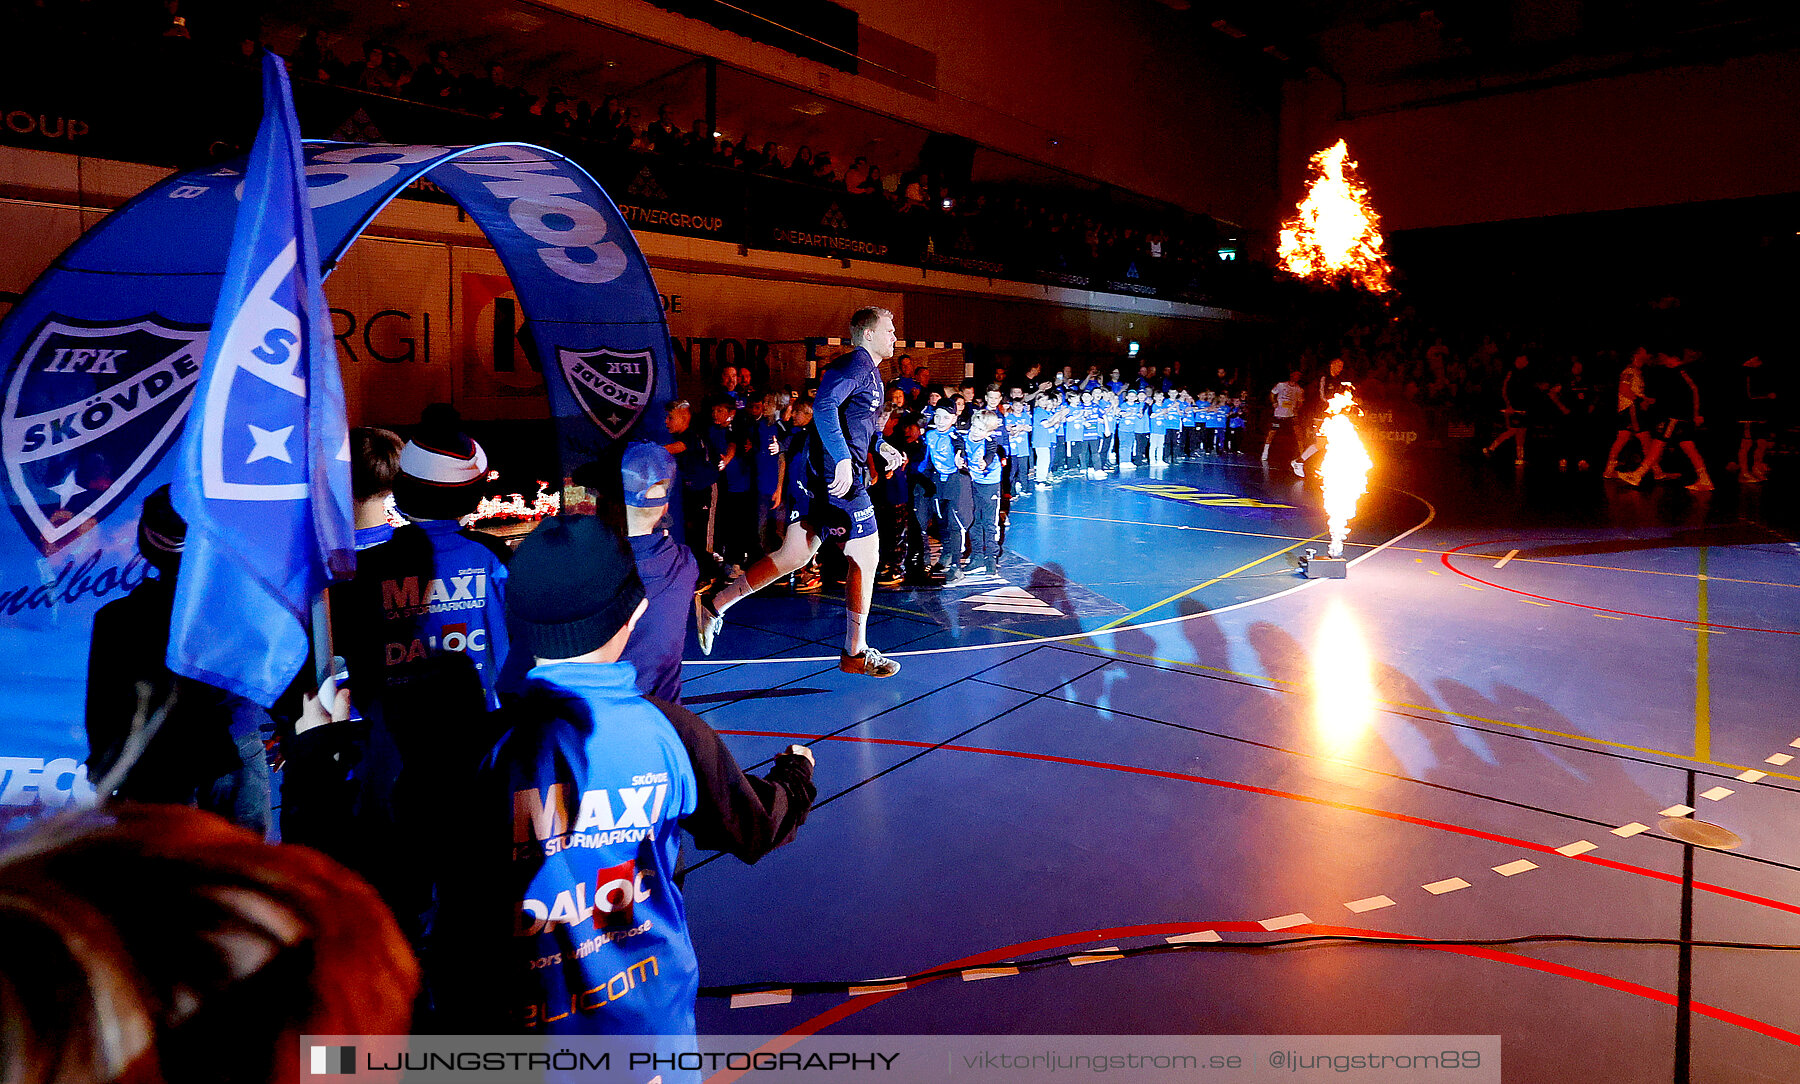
264	476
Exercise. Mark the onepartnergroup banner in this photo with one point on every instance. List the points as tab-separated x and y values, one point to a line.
988	1059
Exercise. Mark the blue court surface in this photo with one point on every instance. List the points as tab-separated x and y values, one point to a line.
1150	744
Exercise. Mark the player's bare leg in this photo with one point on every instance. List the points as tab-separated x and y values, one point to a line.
796	548
863	556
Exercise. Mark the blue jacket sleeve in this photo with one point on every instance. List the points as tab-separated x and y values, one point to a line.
835	385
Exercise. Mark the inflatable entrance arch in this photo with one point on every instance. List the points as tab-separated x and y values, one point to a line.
103	353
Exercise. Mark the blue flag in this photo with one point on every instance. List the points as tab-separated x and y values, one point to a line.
264	476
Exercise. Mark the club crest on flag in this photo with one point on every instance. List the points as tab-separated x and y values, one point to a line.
89	409
255	409
613	387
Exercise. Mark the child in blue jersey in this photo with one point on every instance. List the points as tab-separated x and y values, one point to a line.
442	589
1046	422
1139	413
734	527
561	915
1068	403
1018	443
771	473
1084	434
1157	413
1109	430
1165	415
1193	424
1218	419
953	494
984	449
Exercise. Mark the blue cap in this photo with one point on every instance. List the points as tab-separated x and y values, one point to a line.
645	467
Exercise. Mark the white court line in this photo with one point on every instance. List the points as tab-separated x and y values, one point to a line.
1580	846
1194	938
1513	869
1285	922
1510	554
1439	888
1626	831
1373	903
1431	514
1098	956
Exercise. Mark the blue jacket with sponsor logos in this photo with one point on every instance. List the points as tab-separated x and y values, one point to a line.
564	917
439	594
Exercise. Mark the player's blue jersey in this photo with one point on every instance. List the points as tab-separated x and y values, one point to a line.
846	411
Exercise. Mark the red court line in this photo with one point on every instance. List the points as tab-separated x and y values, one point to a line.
855	1005
1226	784
1588	606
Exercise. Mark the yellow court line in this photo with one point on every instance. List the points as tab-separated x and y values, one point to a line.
1300	687
1128	618
1702	681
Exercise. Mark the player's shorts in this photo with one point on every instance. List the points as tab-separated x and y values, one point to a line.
1757	428
837	518
1626	421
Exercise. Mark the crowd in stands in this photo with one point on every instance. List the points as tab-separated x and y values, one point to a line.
1059	229
1055	227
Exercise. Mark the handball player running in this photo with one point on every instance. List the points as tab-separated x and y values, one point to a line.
831	495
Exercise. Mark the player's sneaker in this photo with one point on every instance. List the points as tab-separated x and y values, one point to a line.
890	576
871	663
707	621
1299	468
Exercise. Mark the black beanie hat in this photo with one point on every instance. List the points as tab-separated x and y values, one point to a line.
441	468
161	533
571	586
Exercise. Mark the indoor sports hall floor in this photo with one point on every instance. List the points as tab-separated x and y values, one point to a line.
1151	733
